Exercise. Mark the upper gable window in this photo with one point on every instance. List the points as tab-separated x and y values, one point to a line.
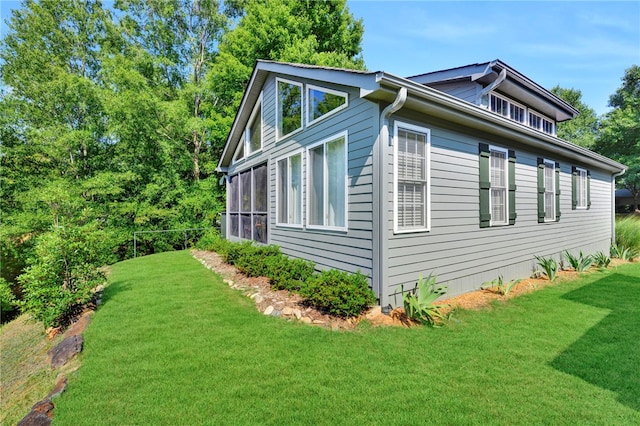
322	102
289	107
513	111
253	133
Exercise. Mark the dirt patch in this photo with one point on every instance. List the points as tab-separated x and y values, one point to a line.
283	301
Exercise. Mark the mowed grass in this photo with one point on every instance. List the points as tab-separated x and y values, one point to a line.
173	345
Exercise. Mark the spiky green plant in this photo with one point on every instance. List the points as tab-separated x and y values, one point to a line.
500	286
549	266
601	260
625	253
579	263
419	303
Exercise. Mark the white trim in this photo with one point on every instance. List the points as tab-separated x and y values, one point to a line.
310	87
427	207
345	136
546	161
527	112
287	157
507	183
586	194
247	135
277	129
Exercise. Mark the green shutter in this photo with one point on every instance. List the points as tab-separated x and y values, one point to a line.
540	190
512	187
574	188
485	186
588	189
557	191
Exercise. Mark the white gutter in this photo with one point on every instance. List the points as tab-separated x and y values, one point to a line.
383	143
613	205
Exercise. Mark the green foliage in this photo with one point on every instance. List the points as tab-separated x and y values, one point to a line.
252	261
339	293
624	253
579	263
499	284
581	130
419	303
288	274
628	232
601	260
60	277
549	266
8	302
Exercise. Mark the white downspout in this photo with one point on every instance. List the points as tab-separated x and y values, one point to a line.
385	142
613	205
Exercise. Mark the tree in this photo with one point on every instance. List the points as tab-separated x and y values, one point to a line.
309	32
619	136
582	129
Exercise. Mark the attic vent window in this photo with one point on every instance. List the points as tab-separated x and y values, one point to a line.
289	106
323	102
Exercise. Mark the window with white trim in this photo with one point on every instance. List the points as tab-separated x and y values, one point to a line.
549	190
541	123
323	102
289	190
253	132
248	204
581	188
516	112
412	147
289	107
499	203
327	183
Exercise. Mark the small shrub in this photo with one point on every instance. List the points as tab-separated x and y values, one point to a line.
601	260
252	260
338	293
579	263
213	241
419	302
549	267
625	253
288	274
499	284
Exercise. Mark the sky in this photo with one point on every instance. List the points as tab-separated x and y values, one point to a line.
582	45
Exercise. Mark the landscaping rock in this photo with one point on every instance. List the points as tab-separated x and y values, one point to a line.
60	354
40	414
306	320
60	386
297	313
287	311
269	310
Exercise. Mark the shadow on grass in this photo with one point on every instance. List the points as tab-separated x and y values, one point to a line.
608	355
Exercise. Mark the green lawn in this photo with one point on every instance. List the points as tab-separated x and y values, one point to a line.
173	345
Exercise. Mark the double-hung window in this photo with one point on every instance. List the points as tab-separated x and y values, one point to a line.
548	191
289	107
412	147
499	186
327	183
289	190
581	188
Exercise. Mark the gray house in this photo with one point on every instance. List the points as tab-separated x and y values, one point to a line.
456	172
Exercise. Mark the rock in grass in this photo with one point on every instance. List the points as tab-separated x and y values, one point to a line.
269	310
40	414
60	354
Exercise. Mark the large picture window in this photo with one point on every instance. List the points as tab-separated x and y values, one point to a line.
327	183
289	107
248	204
323	102
289	190
411	178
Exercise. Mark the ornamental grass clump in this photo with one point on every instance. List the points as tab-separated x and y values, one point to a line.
628	232
419	303
579	263
549	267
500	286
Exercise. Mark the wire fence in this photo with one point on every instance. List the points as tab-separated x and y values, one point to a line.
185	233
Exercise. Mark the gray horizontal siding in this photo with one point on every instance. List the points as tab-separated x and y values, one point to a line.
460	252
351	250
466	90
